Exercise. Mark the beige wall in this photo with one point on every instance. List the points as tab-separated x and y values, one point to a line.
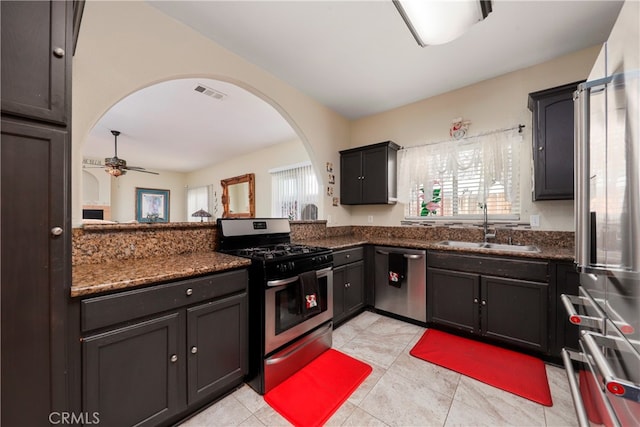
492	104
257	162
147	47
123	194
126	46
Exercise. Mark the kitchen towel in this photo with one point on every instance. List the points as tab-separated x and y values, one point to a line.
397	269
309	293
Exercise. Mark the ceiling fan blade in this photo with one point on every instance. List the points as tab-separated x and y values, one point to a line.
138	169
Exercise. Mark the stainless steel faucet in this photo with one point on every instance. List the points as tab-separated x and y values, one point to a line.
485	227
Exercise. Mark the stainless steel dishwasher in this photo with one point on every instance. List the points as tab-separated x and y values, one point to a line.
406	294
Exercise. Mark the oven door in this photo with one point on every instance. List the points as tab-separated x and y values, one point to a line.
285	319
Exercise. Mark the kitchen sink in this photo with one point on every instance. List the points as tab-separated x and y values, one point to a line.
490	246
513	248
458	244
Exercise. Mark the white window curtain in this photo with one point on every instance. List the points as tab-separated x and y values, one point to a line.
205	198
295	192
453	178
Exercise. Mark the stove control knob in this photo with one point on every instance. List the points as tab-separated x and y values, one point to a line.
292	265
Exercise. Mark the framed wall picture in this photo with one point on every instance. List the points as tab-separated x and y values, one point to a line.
152	205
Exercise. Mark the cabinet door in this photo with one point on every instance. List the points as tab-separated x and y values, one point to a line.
567	282
339	288
35	271
553	146
374	173
217	346
35	57
452	299
515	311
131	375
354	293
351	178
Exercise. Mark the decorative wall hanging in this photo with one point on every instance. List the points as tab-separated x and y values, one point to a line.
459	128
152	205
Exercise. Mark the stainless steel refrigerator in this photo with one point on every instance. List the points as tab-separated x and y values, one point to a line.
604	372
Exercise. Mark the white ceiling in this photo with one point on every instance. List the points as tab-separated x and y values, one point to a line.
356	57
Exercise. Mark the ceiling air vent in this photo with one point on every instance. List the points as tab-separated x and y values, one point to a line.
210	92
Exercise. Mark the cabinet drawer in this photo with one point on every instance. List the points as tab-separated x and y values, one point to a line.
116	308
346	256
501	267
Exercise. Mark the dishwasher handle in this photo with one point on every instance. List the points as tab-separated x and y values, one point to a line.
408	256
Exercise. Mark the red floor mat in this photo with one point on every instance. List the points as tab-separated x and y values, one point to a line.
313	394
508	370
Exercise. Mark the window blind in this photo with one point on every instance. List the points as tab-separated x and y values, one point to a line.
454	178
295	193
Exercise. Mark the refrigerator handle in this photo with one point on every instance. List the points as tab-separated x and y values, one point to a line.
581	183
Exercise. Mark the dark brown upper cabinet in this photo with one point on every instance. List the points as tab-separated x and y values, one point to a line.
368	174
36	59
553	142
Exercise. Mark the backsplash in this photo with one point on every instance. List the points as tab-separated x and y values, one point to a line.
95	244
98	244
470	233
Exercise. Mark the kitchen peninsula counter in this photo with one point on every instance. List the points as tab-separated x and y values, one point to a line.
91	279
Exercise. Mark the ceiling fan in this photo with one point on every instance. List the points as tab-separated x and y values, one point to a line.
115	166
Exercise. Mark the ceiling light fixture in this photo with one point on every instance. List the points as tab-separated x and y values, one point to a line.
437	22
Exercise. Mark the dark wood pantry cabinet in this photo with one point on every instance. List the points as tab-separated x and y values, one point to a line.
553	121
499	298
368	174
153	355
37	45
348	283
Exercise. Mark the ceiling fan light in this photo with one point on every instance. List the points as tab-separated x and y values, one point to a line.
114	172
439	22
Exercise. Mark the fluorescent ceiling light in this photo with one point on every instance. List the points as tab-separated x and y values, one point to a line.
437	22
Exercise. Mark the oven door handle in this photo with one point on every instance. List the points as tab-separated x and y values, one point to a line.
281	282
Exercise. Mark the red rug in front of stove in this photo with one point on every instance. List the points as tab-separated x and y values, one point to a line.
508	370
310	396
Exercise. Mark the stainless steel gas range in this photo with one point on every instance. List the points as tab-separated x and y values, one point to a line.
290	297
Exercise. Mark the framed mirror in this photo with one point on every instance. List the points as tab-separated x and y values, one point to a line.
238	196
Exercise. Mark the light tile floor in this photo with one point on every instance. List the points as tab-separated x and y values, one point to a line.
403	390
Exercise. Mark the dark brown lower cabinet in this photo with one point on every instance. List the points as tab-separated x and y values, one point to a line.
35	256
159	369
509	310
131	374
348	284
217	347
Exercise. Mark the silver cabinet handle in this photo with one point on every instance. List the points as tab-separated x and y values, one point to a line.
58	52
475	300
348	256
194	349
189	292
56	231
541	148
578	403
577	319
612	383
412	256
382	252
484	302
174	358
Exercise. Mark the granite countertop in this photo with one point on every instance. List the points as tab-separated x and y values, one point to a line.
91	279
343	242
